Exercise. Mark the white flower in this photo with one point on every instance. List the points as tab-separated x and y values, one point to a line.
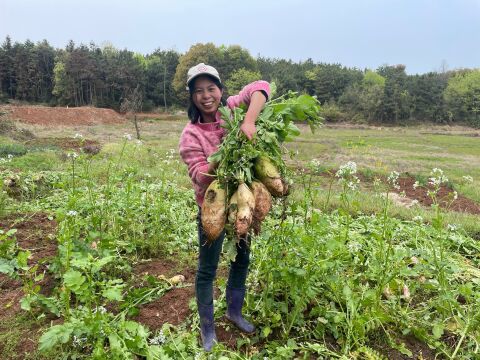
467	178
72	213
455	195
78	136
78	342
100	309
139	142
354	246
393	179
127	136
10	156
416	185
352	185
315	164
72	155
159	339
452	227
414	202
418	219
437	178
350	168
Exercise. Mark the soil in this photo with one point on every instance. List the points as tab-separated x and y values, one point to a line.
62	116
173	307
64	143
35	232
461	204
420	194
419	350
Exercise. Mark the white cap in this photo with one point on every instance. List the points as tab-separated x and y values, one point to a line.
201	69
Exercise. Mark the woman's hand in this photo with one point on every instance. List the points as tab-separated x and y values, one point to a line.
248	128
212	167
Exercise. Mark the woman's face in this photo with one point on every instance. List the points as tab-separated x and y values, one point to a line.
206	96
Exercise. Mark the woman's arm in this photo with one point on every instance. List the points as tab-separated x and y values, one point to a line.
257	101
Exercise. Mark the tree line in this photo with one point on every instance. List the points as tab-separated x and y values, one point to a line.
80	75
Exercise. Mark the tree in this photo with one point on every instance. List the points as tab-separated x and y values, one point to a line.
160	70
7	74
396	98
131	104
427	96
198	53
240	78
364	98
234	58
462	96
329	81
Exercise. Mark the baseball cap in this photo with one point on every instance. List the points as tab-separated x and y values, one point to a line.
201	69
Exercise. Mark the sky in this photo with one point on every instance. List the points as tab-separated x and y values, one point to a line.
424	35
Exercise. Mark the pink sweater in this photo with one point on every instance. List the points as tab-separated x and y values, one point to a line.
200	140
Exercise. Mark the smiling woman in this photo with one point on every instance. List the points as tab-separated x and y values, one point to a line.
200	139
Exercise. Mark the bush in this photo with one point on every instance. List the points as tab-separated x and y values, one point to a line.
12	149
332	113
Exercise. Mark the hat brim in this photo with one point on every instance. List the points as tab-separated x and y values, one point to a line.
202	74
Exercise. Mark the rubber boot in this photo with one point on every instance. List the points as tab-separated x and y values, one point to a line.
207	326
235	299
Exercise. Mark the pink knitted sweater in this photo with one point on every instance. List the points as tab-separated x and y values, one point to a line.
200	140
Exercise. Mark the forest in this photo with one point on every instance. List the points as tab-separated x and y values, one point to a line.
104	76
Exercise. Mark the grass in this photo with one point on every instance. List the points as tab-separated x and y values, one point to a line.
376	151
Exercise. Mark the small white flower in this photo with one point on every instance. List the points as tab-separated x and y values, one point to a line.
139	142
10	157
78	136
418	219
455	195
354	246
72	155
437	178
350	168
72	213
127	136
100	309
416	185
393	179
452	227
467	178
159	339
78	342
414	202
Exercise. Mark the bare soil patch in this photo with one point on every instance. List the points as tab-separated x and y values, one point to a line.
62	116
36	233
64	143
420	194
172	307
444	196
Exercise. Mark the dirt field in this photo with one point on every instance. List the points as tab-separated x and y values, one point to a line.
54	116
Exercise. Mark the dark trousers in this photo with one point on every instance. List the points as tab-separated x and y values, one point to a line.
208	263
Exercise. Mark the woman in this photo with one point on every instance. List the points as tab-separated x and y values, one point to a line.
200	139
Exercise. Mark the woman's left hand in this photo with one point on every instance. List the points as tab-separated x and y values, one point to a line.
249	129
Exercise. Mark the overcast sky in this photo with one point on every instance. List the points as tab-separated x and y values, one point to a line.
422	34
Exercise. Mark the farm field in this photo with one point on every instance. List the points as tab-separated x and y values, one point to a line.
374	255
